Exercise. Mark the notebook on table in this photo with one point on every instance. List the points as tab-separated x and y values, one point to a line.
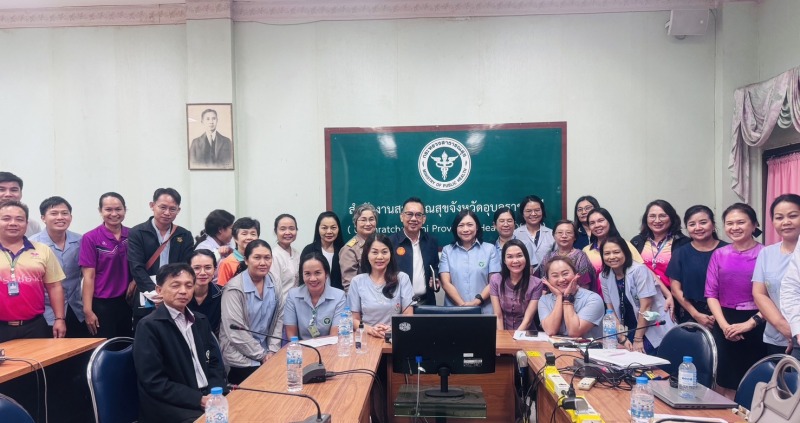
703	397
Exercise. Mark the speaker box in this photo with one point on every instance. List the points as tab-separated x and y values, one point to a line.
683	22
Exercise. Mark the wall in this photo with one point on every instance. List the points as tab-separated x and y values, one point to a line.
89	105
639	105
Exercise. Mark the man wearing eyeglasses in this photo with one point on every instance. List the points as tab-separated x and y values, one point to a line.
153	244
417	253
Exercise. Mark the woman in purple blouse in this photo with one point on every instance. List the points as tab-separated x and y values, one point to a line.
515	292
739	327
564	233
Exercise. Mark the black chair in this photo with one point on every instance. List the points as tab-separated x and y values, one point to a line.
693	340
12	412
112	382
762	371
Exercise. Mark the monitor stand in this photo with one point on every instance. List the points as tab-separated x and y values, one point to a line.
444	391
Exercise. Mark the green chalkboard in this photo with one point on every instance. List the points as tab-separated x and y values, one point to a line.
481	167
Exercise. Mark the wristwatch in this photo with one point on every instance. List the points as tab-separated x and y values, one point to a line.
569	298
758	319
479	298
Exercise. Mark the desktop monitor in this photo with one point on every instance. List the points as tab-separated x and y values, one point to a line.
430	309
446	344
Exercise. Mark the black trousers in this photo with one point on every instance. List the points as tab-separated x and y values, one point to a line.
114	315
35	328
237	375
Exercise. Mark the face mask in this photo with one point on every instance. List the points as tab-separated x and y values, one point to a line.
651	316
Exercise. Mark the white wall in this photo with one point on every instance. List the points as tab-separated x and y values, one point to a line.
639	105
88	105
85	107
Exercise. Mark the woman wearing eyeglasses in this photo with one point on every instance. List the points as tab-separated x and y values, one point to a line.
365	217
537	237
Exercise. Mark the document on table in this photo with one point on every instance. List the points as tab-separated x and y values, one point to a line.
320	342
520	336
624	358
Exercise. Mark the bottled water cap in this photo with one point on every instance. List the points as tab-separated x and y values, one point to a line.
294	339
687	359
216	390
641	380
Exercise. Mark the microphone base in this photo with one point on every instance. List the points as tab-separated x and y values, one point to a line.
326	418
314	373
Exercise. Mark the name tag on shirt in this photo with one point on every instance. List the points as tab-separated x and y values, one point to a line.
13	288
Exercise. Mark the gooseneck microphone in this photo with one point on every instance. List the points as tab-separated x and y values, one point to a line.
626	332
313	373
319	418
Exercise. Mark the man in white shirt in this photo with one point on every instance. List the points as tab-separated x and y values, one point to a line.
211	150
416	251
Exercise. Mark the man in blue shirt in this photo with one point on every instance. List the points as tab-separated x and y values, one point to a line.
56	214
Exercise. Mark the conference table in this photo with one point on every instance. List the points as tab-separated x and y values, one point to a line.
64	361
612	404
45	351
347	398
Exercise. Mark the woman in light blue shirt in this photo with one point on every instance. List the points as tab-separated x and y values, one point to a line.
467	263
313	308
251	300
381	291
771	265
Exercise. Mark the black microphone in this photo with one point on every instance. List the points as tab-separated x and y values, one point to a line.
320	418
414	301
585	352
313	373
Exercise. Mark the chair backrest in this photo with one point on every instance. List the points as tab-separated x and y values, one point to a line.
694	340
762	371
12	412
431	309
112	382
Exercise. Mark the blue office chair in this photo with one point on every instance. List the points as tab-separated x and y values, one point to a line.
12	412
694	340
762	372
112	382
432	309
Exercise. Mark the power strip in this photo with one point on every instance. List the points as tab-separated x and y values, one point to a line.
579	410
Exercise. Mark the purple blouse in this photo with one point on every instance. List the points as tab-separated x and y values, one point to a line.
108	257
513	311
729	277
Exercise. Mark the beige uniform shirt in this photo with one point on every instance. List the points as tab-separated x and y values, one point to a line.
350	260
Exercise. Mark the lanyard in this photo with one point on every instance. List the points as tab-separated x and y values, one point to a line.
660	246
13	262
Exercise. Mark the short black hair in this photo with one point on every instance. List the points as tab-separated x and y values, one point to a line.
168	191
51	202
171	270
216	221
413	200
531	199
202	252
15	203
246	223
459	217
203	115
313	255
112	195
10	177
281	216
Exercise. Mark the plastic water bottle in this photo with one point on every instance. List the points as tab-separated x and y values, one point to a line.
642	402
350	327
687	378
609	329
361	346
217	407
344	336
294	366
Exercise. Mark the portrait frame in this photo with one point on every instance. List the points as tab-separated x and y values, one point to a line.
217	154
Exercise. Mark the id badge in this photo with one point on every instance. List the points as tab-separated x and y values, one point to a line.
13	288
313	331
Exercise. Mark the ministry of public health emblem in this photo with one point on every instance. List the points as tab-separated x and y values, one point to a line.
444	164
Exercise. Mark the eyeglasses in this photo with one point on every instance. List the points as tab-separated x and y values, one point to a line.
657	216
366	220
418	215
586	209
532	212
164	209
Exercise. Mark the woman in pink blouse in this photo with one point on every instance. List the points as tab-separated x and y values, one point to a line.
739	327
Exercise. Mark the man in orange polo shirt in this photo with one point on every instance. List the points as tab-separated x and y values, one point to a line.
27	269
